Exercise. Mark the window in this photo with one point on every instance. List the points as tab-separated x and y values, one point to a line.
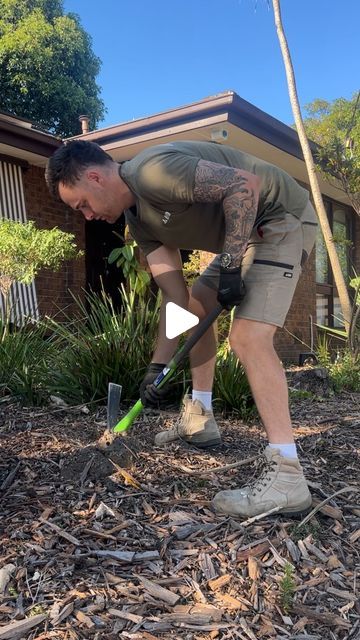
23	299
328	310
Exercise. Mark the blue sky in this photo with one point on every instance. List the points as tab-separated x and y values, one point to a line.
160	54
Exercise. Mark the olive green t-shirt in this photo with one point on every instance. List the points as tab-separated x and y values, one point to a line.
162	180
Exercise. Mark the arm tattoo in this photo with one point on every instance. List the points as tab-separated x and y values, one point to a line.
238	192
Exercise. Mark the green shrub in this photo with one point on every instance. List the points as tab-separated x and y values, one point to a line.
24	360
101	346
231	387
344	371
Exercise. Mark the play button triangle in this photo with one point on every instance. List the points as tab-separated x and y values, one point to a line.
178	320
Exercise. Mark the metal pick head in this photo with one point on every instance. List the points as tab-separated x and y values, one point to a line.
114	395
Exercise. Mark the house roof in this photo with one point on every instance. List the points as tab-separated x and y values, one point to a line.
227	104
224	117
22	139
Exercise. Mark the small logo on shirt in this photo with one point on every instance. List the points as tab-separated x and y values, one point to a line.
166	217
287	274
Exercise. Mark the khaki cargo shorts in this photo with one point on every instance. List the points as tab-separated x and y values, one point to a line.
271	266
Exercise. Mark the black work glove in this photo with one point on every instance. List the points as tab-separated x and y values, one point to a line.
150	395
231	287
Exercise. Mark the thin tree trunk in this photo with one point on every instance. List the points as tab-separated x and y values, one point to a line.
310	166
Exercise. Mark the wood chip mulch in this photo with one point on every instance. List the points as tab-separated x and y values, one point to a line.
137	552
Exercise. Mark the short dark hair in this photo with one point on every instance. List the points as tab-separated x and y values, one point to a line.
70	160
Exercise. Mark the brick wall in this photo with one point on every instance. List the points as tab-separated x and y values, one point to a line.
53	288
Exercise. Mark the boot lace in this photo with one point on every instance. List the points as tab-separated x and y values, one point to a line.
264	468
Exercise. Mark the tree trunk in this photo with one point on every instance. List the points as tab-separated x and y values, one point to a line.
310	166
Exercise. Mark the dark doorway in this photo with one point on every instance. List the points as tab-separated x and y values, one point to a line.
101	238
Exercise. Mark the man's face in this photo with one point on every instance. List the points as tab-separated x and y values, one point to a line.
94	196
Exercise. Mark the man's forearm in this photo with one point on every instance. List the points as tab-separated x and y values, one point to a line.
240	213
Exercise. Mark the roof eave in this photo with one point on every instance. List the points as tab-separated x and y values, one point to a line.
234	109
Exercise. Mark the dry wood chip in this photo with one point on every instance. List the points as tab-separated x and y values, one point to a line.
229	602
122	556
202	609
5	576
281	561
253	568
354	536
333	562
159	592
347	595
303	551
60	532
19	628
207	566
313	582
185	619
245	627
84	619
148	509
9	479
220	582
292	549
63	614
125	615
326	618
103	510
181	517
255	551
315	551
99	534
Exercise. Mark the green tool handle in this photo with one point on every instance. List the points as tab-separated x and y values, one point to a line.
127	420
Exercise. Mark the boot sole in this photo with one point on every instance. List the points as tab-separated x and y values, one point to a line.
296	512
204	445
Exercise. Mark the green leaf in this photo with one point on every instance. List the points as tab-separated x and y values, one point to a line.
114	255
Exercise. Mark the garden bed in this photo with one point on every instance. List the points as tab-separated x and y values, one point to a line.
136	551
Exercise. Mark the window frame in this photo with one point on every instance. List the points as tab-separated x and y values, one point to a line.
329	288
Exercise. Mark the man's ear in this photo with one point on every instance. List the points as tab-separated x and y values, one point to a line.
95	175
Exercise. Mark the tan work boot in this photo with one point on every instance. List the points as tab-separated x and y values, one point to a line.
196	426
280	484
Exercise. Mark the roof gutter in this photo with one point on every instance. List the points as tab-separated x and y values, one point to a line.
27	139
228	104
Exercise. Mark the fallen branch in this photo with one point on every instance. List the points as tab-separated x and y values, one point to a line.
321	504
201	472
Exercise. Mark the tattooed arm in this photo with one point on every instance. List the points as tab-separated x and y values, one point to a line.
238	190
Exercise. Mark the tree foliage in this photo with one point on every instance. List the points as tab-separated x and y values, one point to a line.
335	127
47	67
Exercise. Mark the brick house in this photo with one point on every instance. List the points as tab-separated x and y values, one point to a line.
225	118
228	119
24	150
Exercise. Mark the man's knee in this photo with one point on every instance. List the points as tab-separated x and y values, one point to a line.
248	337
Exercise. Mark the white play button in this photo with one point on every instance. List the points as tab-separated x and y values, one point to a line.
178	320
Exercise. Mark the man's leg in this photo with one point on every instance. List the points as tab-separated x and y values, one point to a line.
197	424
281	485
252	343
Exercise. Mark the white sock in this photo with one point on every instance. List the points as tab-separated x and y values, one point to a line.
203	396
286	450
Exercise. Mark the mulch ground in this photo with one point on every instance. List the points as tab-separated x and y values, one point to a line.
130	548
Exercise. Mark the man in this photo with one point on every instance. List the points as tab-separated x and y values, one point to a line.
201	195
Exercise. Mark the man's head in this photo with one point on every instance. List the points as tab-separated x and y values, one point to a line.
87	179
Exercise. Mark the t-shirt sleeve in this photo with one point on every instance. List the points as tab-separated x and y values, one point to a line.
141	234
165	175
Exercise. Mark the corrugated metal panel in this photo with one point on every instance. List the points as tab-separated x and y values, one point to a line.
23	297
